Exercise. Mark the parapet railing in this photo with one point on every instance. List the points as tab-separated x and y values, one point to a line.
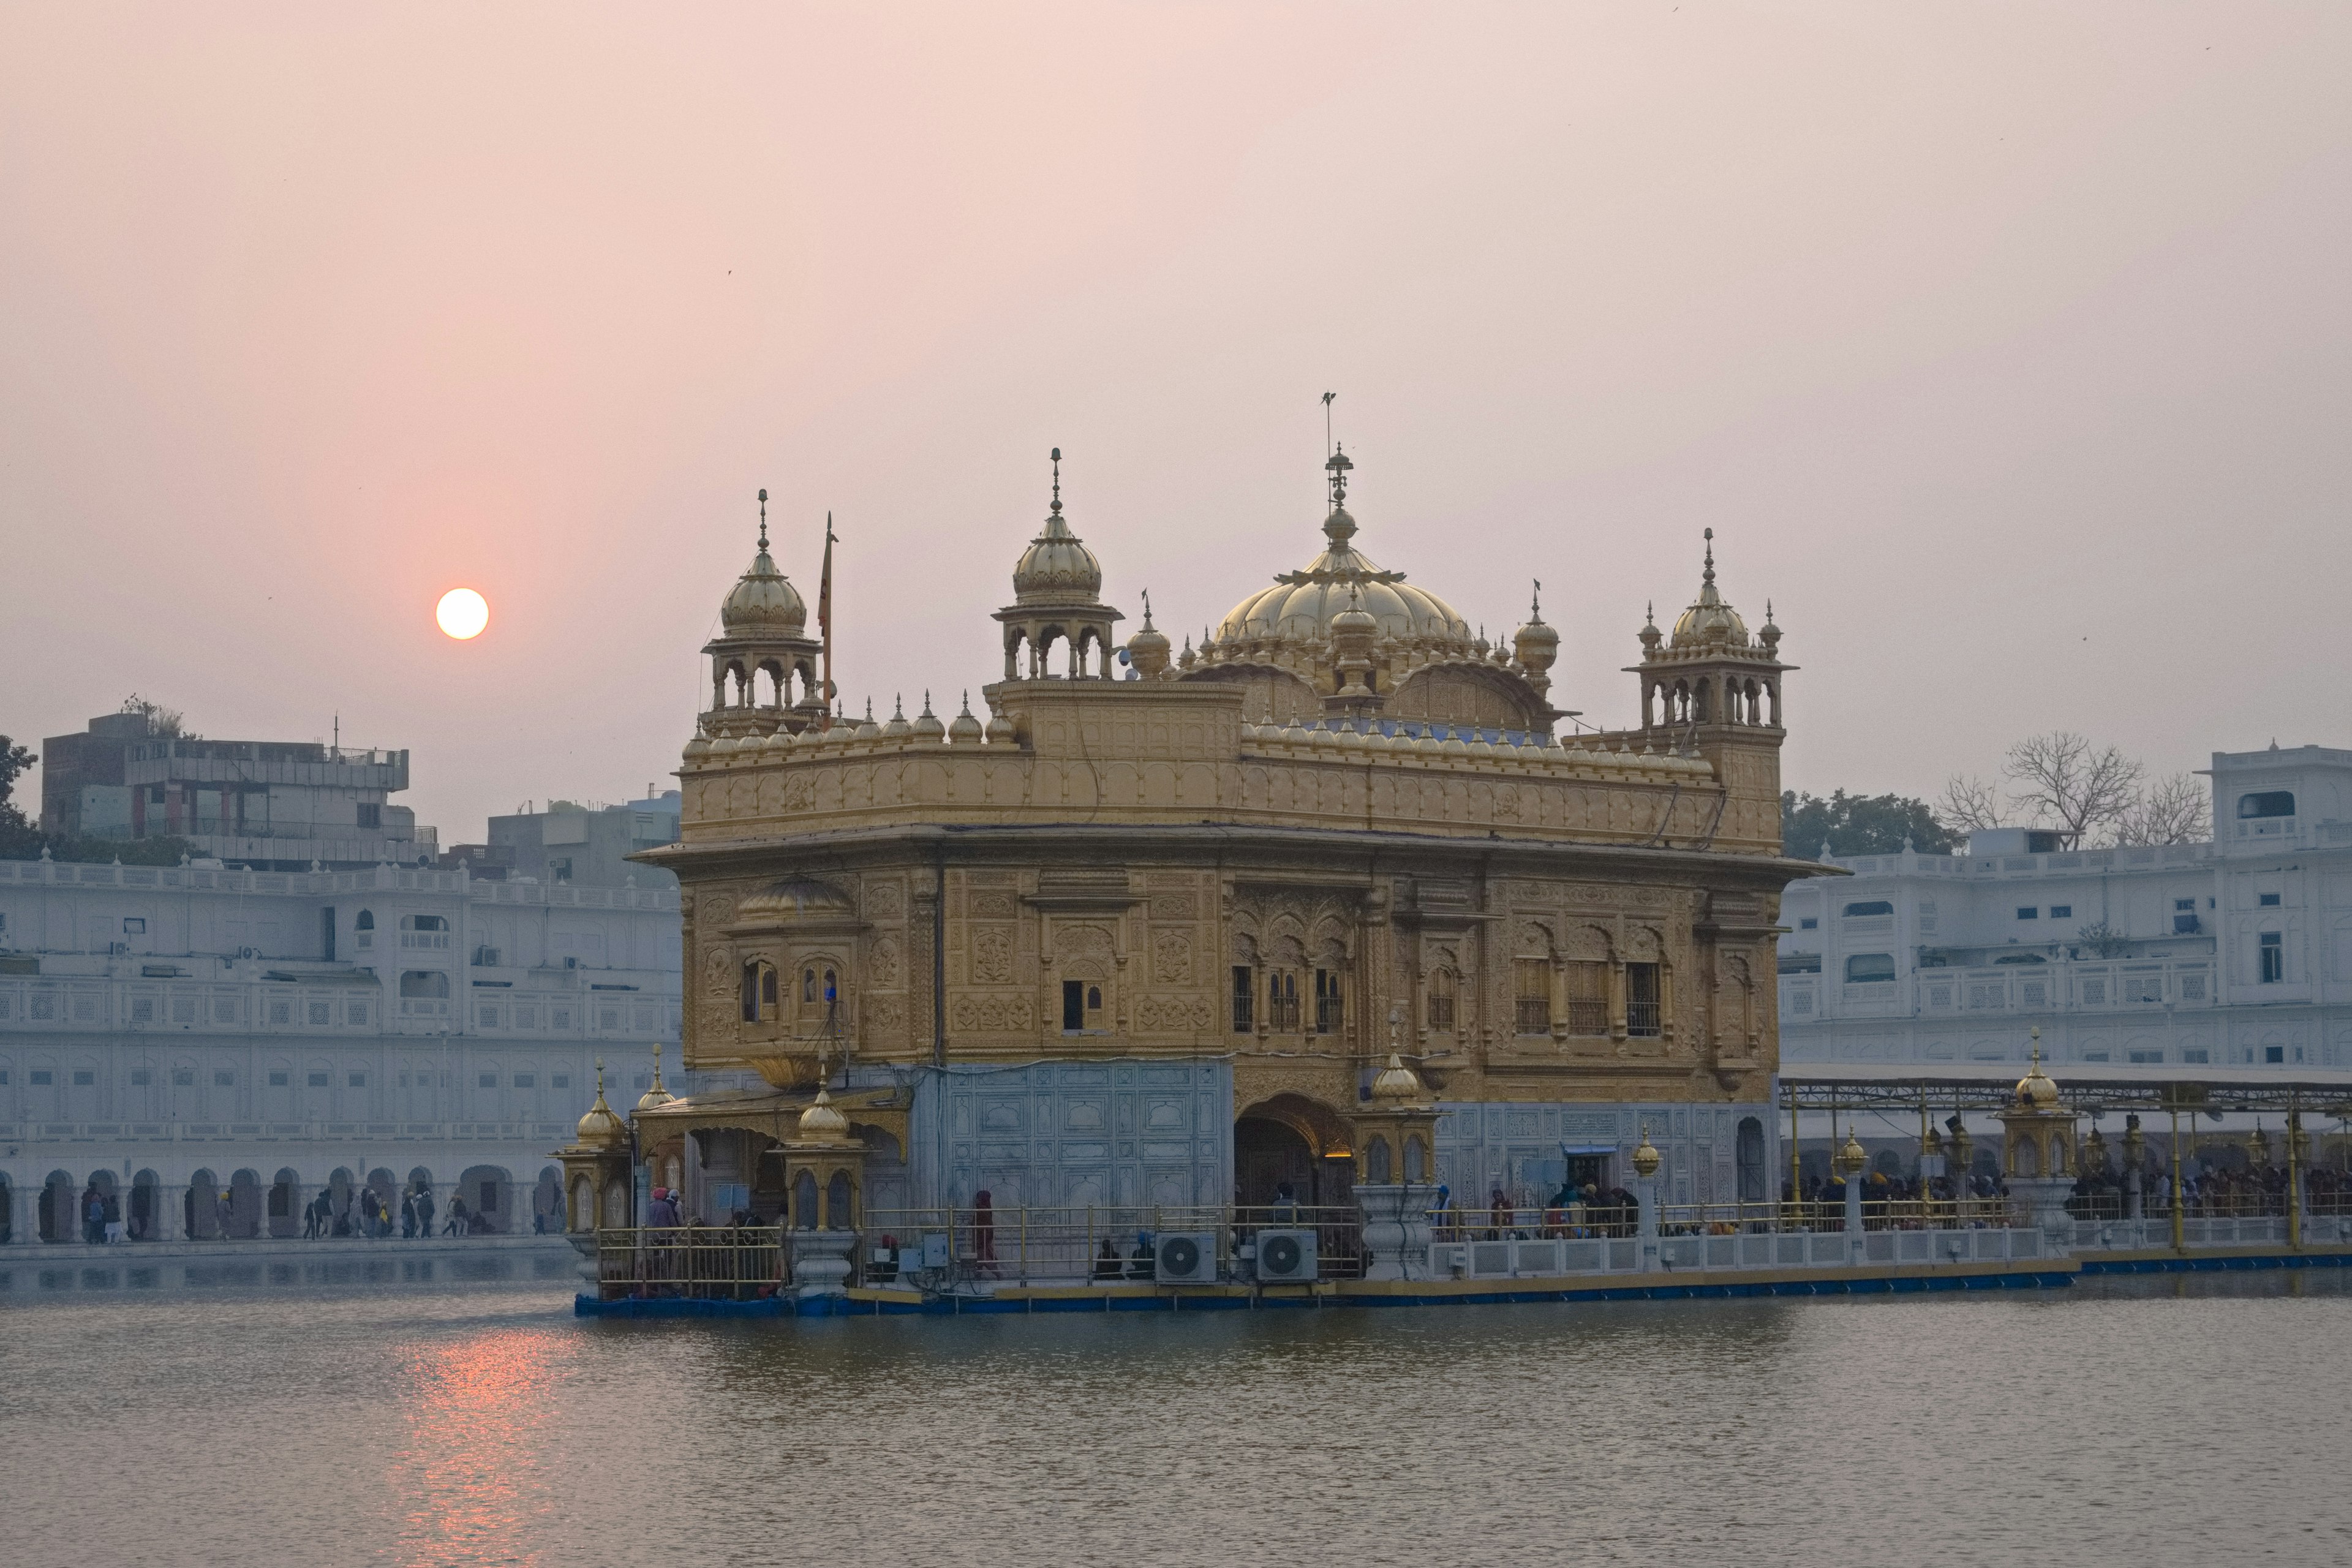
695	1262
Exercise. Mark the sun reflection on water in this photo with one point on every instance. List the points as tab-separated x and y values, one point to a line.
458	1488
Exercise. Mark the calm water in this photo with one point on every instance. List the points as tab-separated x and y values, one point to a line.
2149	1423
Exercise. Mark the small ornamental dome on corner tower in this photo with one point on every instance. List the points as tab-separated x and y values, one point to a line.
1710	620
601	1129
1057	599
964	730
1536	644
1147	650
1057	568
926	726
763	599
821	1124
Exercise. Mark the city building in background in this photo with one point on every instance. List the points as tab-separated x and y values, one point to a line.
587	846
209	1048
270	806
2236	952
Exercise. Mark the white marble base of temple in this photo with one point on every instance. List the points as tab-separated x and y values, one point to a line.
1396	1228
821	1261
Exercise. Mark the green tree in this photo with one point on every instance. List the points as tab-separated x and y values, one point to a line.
20	839
1858	824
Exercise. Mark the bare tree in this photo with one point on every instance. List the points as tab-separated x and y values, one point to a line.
2074	786
1970	803
2175	810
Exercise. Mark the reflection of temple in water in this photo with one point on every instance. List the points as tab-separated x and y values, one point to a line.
1148	936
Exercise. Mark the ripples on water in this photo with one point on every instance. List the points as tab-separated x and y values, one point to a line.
2153	1422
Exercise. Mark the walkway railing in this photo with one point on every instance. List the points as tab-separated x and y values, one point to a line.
718	1263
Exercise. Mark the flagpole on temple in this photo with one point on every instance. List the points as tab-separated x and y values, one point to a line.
824	621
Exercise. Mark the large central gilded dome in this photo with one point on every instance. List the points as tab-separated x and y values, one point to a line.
1300	605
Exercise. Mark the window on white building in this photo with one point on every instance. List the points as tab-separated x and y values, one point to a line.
2267	900
1868	968
1810	923
2061	912
2272	957
2029	912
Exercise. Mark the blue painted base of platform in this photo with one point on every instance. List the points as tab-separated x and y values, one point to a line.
2216	1265
1175	1301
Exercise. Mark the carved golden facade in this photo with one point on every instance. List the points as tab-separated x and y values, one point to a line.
1342	808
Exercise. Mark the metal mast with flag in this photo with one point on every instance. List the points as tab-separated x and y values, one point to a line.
825	620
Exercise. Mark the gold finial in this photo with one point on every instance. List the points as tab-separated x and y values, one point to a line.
1337	467
1058	482
1646	1158
1851	1159
1396	1080
763	522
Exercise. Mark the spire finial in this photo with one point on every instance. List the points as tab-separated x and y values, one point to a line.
1708	575
1058	482
1147	609
1337	467
967	702
926	703
1535	602
658	1056
763	522
600	1078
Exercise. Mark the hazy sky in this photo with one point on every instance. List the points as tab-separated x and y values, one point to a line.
2005	349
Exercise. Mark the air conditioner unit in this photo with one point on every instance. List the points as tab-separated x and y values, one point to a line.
1285	1256
1186	1258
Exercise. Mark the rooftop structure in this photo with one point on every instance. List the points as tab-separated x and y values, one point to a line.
2236	952
270	804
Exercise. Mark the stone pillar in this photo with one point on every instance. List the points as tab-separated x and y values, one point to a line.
2045	1201
1396	1230
821	1261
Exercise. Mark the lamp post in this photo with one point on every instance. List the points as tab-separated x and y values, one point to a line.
1646	1160
1848	1162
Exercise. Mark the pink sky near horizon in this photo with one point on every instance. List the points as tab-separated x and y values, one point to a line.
2004	347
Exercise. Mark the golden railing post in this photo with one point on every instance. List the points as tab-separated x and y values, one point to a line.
2179	1232
2293	1178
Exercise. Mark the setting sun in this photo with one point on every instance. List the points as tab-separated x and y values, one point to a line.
463	613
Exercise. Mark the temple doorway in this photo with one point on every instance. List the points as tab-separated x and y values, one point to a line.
1292	1139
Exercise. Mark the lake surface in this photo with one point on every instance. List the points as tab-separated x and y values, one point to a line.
2138	1422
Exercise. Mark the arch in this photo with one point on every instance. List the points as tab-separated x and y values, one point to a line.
1290	1137
241	1216
1379	1164
365	921
1481	695
489	1191
2025	1157
759	998
143	1215
805	1200
2059	1164
1417	1157
839	1203
547	1201
583	1213
386	1189
57	1221
1750	1159
200	1207
285	1202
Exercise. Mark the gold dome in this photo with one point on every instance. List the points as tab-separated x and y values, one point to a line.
1397	1082
763	600
657	1096
1709	619
601	1129
1302	605
822	1122
1057	568
1147	650
2034	1091
1849	1159
1646	1158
